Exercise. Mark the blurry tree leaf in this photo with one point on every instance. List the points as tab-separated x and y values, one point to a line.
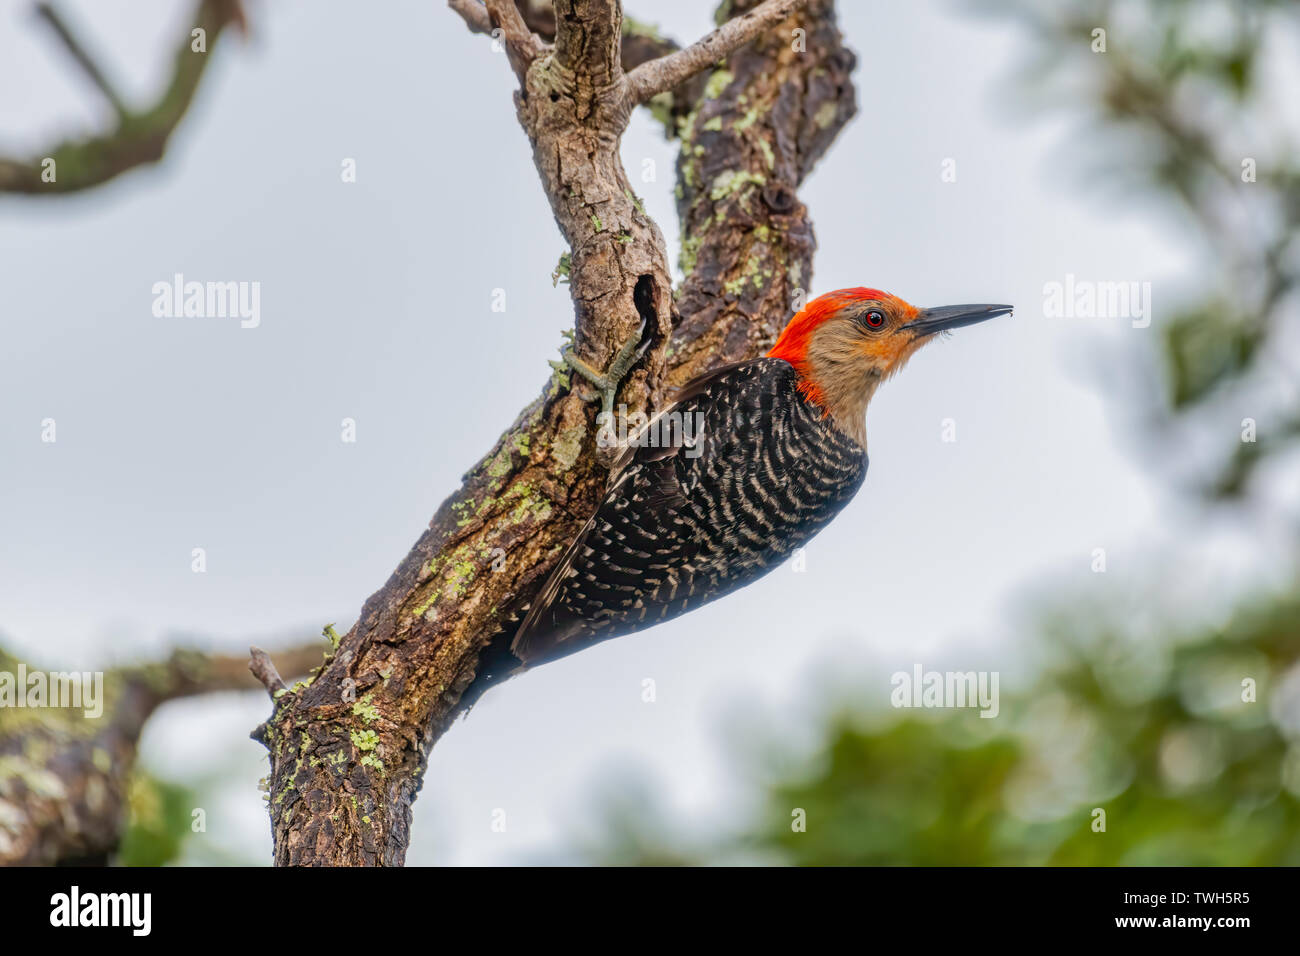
159	821
1205	347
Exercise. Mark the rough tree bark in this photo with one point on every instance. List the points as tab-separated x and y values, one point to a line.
348	750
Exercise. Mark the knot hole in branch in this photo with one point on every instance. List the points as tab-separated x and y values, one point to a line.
643	297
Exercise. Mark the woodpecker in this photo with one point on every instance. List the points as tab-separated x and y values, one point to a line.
779	449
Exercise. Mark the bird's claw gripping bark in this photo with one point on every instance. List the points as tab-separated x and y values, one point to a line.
627	356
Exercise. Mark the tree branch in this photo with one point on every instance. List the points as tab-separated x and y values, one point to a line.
261	667
640	44
661	75
588	40
82	57
522	46
140	138
474	13
747	240
349	750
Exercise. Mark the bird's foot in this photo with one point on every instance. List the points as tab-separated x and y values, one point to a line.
607	383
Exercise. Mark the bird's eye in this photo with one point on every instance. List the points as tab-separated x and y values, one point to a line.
875	319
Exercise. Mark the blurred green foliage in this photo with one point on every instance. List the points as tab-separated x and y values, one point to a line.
1189	765
1205	347
1186	770
158	821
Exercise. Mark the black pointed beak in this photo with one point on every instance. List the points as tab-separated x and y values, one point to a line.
947	317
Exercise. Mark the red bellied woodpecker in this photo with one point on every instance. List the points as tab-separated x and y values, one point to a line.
778	448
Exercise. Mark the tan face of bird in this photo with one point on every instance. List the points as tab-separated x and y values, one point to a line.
844	344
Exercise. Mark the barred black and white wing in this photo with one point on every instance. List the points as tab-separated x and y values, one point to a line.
750	471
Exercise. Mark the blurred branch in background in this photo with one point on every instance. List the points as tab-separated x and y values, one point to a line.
139	137
67	780
1171	744
69	789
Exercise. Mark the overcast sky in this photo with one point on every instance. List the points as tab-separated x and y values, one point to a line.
175	434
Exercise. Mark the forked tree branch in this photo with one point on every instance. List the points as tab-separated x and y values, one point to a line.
639	43
349	750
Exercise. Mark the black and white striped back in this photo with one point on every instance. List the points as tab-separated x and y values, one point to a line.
683	525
